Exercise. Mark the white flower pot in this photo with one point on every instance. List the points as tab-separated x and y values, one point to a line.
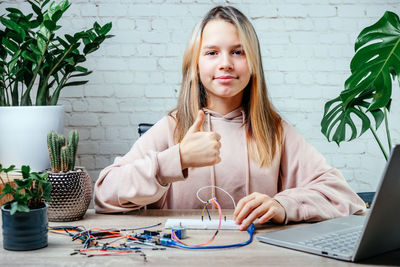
23	134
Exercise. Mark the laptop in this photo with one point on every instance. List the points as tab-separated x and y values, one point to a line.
352	238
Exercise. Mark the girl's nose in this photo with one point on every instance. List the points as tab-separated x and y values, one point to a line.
226	62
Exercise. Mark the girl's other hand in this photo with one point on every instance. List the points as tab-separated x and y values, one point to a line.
197	148
257	205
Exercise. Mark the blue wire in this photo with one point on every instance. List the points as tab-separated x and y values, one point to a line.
250	230
141	228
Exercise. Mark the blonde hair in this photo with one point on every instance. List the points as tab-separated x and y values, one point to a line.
263	124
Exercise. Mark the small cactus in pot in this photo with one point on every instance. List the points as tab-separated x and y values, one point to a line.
72	187
62	156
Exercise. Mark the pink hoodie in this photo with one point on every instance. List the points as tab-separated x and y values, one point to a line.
150	173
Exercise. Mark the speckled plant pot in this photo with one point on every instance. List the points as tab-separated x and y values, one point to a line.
71	194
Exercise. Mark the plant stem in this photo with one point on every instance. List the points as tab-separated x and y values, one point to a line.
387	130
379	142
2	181
54	98
42	89
3	100
27	92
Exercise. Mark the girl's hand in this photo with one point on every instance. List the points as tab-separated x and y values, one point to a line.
257	205
197	148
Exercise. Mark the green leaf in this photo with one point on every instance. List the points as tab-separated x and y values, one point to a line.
338	119
97	27
89	48
377	56
50	25
76	83
14	60
41	41
11	168
70	39
36	9
14	10
378	116
35	49
23	208
29	56
23	183
80	35
25	170
45	3
35	23
7	189
11	25
57	15
70	60
47	191
14	208
86	40
81	74
62	42
10	45
81	69
106	28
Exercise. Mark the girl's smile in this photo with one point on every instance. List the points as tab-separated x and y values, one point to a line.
225	79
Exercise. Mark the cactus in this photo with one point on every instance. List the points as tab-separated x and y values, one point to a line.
62	156
53	146
61	140
73	139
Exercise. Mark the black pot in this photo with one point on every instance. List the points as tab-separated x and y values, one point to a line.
25	230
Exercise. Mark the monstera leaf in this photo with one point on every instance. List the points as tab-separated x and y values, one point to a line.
368	90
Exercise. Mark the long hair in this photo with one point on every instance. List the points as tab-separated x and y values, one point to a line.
262	123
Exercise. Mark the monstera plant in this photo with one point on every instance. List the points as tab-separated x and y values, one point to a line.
365	101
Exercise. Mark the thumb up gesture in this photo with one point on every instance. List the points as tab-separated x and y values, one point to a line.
197	148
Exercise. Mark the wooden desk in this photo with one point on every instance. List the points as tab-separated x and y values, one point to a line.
60	246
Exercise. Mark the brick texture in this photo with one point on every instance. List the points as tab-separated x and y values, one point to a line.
306	48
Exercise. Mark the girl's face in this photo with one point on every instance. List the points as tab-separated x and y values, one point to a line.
223	66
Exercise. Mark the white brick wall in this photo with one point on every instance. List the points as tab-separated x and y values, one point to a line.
306	47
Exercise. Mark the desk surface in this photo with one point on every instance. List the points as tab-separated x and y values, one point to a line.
60	246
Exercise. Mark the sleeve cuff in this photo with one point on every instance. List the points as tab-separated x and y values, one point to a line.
291	206
169	166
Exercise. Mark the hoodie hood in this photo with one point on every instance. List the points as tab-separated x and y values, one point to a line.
235	116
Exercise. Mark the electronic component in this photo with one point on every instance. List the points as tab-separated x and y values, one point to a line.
201	224
179	232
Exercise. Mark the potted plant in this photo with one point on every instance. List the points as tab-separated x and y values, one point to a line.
367	93
71	187
34	60
25	215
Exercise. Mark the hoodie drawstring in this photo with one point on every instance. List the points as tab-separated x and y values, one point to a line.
247	182
212	169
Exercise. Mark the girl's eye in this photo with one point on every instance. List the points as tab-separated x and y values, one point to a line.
238	52
211	53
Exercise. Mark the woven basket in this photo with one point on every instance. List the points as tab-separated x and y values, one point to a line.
8	179
71	194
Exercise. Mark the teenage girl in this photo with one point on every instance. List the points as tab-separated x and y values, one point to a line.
225	132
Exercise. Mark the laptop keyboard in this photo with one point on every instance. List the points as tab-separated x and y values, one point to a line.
343	242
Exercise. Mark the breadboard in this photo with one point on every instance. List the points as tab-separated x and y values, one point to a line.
201	224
